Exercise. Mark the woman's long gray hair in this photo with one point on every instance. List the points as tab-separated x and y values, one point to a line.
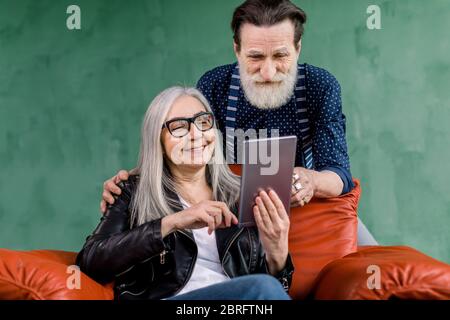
151	201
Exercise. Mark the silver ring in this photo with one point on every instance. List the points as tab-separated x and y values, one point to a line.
298	186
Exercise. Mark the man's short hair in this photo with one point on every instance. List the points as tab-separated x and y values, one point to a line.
267	13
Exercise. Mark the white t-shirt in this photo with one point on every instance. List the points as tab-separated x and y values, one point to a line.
207	269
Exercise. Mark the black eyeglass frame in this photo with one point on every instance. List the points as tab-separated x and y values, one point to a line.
189	120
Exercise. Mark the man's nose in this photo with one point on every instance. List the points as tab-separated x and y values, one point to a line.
268	70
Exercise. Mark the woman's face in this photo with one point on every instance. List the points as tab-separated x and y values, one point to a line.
194	149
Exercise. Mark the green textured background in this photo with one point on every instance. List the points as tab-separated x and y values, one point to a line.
71	104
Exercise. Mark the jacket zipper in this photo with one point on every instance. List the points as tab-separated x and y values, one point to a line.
162	261
191	268
228	248
162	257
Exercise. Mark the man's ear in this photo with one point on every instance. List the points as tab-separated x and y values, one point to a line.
235	48
299	46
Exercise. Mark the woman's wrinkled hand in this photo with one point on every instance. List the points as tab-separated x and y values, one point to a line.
211	214
273	224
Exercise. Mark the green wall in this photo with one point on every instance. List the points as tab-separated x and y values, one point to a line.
71	104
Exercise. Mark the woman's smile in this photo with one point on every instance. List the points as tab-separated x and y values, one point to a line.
196	149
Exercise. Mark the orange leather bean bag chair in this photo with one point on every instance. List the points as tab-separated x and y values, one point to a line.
323	244
43	275
405	273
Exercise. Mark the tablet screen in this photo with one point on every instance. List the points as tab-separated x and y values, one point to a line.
267	164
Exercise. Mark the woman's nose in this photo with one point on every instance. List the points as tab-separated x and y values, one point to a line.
195	132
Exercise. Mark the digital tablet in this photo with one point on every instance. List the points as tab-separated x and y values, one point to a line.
267	164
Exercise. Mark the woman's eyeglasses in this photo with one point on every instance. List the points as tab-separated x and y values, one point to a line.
179	127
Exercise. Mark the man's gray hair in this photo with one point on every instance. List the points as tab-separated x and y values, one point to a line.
267	13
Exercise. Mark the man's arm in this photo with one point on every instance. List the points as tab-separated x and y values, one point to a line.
329	142
332	176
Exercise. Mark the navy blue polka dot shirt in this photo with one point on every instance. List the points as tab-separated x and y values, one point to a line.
327	122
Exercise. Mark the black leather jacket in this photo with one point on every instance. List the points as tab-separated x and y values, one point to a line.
143	265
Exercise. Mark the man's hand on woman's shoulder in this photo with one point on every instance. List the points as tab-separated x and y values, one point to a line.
111	188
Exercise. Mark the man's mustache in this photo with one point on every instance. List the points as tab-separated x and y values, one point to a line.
279	77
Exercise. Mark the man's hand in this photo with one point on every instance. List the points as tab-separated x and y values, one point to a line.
110	187
310	183
273	223
303	186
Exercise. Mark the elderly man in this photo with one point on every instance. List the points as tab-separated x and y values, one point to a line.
268	90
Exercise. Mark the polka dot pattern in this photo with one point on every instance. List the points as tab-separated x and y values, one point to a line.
323	99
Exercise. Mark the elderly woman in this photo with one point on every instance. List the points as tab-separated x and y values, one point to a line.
172	233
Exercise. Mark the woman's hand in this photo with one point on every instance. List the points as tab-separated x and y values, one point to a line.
273	225
211	214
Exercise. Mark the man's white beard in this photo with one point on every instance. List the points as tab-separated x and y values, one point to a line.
268	95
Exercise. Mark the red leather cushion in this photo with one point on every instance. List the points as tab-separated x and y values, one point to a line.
321	231
405	273
43	275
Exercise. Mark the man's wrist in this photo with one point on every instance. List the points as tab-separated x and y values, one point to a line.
327	184
315	176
